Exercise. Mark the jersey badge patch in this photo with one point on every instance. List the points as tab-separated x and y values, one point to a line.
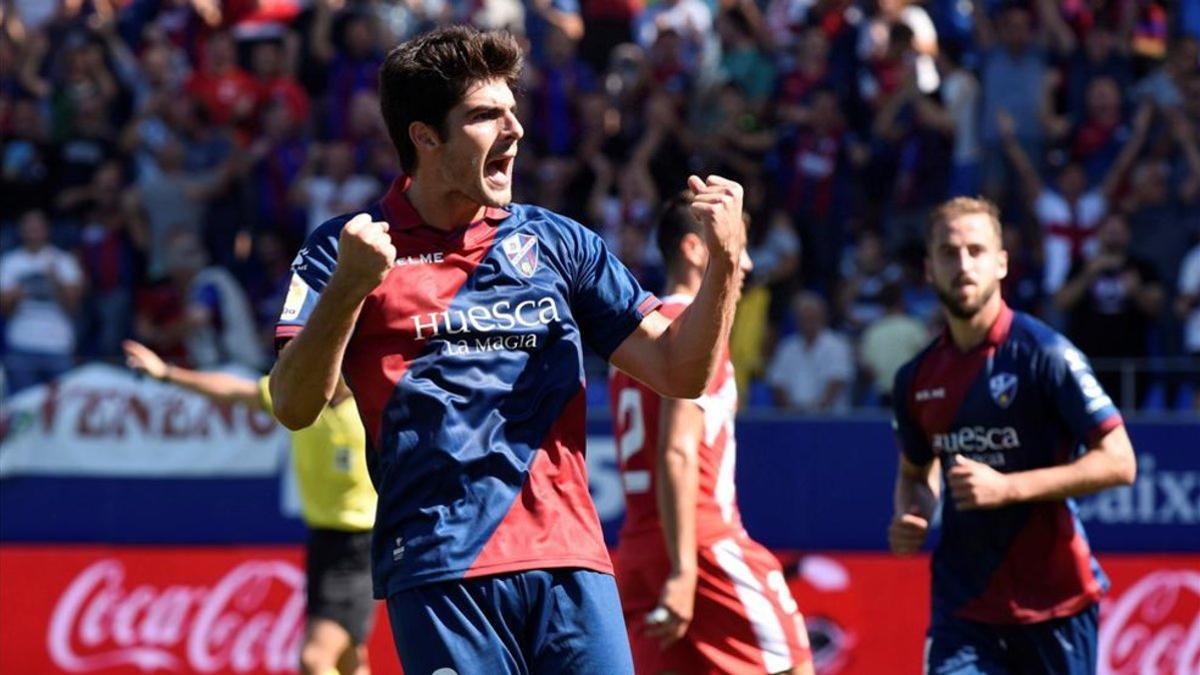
297	294
522	253
1004	389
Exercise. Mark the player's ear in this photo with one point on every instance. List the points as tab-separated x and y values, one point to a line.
694	250
1001	264
423	136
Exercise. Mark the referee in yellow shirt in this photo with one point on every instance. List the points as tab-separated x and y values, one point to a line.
338	503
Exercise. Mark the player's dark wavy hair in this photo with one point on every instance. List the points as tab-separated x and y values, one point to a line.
675	220
423	78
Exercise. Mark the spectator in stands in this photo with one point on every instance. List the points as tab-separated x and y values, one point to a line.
352	66
217	322
960	96
26	162
812	370
775	249
875	41
109	248
87	145
40	290
608	23
1023	287
1096	140
558	85
805	73
335	188
861	292
1164	201
1187	308
817	160
691	21
1102	56
276	160
888	343
1013	79
268	283
228	93
742	60
174	200
1069	215
913	155
275	81
1112	302
1165	86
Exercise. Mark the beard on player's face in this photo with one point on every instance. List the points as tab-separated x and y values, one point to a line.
478	172
965	306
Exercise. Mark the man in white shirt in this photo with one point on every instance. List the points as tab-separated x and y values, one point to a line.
40	288
1069	216
338	190
812	370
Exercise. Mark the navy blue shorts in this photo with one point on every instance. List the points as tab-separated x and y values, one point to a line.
538	621
1064	646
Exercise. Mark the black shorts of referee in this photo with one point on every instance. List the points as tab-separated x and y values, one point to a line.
339	580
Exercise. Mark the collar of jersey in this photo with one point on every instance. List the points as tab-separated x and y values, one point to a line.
401	215
996	335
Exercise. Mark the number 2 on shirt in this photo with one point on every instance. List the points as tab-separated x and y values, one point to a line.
632	418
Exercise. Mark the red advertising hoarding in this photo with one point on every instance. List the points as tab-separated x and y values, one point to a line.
90	609
93	609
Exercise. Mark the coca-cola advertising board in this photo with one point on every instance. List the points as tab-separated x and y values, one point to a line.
82	609
241	610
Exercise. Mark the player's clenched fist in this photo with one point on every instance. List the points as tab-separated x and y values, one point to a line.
907	532
365	253
717	205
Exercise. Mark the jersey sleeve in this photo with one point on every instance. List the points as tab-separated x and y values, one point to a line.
909	437
311	270
1077	396
607	301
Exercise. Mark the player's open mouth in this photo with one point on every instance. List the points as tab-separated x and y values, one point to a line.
499	170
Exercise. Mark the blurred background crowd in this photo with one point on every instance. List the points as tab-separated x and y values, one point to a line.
161	162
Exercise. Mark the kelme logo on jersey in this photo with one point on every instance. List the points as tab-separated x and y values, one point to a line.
977	439
1004	389
499	316
522	252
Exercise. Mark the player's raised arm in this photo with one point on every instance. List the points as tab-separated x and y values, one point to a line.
306	375
677	358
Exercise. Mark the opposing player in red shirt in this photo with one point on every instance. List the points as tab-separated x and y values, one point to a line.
699	595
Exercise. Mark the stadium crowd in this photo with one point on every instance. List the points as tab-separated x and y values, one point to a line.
162	161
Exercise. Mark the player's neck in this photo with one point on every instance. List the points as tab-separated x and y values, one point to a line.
442	209
687	284
969	333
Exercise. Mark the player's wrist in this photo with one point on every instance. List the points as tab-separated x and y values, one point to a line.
346	285
724	261
684	572
165	374
1013	492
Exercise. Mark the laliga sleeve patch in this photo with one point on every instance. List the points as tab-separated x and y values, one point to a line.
297	294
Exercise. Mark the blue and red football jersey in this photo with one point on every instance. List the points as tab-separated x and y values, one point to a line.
467	366
1023	399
